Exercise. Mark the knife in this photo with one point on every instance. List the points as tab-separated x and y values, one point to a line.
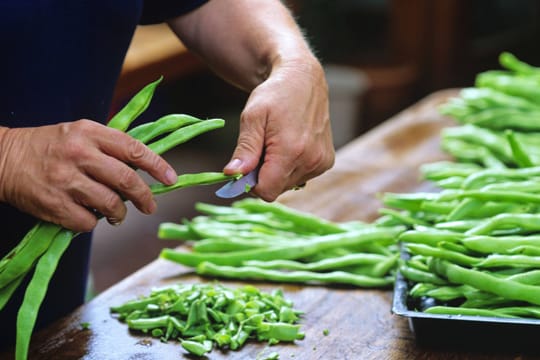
238	187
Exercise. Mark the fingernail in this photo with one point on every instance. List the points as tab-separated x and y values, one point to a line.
170	176
234	164
114	221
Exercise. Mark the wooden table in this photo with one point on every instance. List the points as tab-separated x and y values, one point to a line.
360	322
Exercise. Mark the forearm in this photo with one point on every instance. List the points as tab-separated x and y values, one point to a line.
244	40
3	131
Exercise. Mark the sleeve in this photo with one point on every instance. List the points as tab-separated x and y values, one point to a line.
157	11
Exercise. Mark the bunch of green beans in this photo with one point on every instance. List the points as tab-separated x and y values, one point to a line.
255	240
502	117
473	247
43	246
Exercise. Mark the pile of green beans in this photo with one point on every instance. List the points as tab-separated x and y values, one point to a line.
472	248
39	251
255	240
501	114
204	316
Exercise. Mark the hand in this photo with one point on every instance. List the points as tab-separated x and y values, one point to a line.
64	173
286	118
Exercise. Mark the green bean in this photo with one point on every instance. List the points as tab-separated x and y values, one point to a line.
36	290
170	230
532	185
439	292
430	237
184	134
411	202
511	62
420	276
483	138
499	244
445	169
263	219
403	217
520	155
437	207
521	311
482	98
302	220
458	225
324	264
498	119
451	182
386	266
253	273
519	261
523	223
148	131
7	291
417	262
211	210
493	195
215	245
459	311
186	180
513	85
446	254
37	241
525	250
292	251
483	281
531	277
197	348
482	178
136	105
465	151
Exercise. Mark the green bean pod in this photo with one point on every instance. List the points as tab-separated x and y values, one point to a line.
36	290
168	123
184	134
484	281
253	273
38	241
186	180
135	106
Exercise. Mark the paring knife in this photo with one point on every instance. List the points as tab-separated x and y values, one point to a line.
238	187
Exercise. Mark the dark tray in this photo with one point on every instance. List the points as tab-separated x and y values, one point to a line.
468	332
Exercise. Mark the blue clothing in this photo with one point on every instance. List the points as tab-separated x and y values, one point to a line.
61	60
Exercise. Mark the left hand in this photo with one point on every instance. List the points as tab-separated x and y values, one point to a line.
286	118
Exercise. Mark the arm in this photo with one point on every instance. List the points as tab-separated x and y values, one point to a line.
257	46
60	173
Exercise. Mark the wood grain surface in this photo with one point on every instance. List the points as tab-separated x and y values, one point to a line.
360	322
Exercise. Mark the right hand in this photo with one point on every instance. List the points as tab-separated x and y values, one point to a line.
64	173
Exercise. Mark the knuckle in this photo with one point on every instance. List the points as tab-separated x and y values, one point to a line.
127	179
136	150
112	204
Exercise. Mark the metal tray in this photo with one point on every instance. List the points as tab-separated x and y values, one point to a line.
467	332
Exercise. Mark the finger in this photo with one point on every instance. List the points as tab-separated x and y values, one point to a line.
249	146
138	155
123	180
274	178
78	218
100	199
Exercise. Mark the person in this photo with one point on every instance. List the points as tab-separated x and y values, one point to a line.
60	163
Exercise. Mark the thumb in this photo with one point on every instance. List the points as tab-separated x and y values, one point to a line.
248	151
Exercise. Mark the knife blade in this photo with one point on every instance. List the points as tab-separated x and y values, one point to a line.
238	187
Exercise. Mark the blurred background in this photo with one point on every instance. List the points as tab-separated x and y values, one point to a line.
380	57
